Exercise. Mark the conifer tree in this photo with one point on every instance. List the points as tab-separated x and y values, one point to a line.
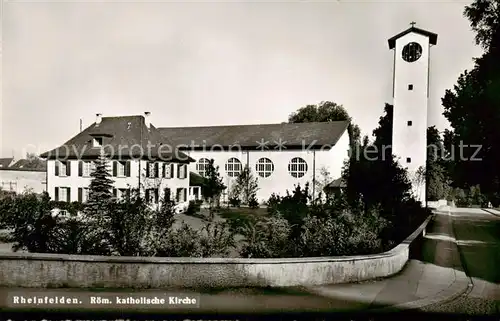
212	186
100	188
247	185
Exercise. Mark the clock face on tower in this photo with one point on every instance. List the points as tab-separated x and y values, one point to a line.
412	52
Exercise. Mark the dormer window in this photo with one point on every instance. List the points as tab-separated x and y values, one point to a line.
98	138
97	142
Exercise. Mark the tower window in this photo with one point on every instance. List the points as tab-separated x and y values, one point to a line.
410	87
408	159
410	123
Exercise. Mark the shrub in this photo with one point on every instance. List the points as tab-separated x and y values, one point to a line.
180	242
216	238
409	215
266	238
35	229
72	208
193	208
294	207
129	224
252	202
345	234
273	204
77	237
234	201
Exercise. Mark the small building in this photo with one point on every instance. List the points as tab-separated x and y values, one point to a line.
195	186
6	162
22	176
335	188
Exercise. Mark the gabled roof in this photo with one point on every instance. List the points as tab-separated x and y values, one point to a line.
292	135
432	36
336	183
6	162
26	165
195	179
123	137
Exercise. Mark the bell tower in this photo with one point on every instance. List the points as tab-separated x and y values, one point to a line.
410	93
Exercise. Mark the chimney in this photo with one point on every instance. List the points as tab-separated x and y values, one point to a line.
146	119
98	119
81	125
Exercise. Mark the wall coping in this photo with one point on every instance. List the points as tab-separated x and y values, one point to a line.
190	260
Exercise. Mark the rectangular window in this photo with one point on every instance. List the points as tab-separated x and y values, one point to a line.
151	170
408	159
167	170
123	193
410	123
410	87
85	195
87	168
182	171
152	195
63	168
156	195
63	194
121	169
180	193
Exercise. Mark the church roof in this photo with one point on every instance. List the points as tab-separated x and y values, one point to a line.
123	137
432	36
291	135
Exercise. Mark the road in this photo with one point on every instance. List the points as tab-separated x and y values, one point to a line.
478	238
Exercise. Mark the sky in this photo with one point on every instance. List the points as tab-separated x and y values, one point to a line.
209	63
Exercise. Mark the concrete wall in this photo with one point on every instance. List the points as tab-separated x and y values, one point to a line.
52	270
280	180
22	180
437	204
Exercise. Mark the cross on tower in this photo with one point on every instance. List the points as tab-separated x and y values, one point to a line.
412	23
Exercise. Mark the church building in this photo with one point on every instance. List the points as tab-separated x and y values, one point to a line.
280	156
167	161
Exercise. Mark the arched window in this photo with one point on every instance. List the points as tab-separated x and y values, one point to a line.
297	167
233	167
264	167
202	165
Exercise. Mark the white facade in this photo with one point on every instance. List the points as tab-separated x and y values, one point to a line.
411	91
20	181
68	186
279	179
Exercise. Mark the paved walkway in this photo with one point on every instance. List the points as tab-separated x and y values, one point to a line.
435	274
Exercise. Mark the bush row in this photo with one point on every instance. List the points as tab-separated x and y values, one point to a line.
294	227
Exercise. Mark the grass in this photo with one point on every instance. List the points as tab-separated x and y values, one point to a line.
238	217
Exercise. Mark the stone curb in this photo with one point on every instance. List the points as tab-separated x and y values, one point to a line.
491	212
460	286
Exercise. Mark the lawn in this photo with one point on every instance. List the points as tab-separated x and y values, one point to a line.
238	212
238	217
